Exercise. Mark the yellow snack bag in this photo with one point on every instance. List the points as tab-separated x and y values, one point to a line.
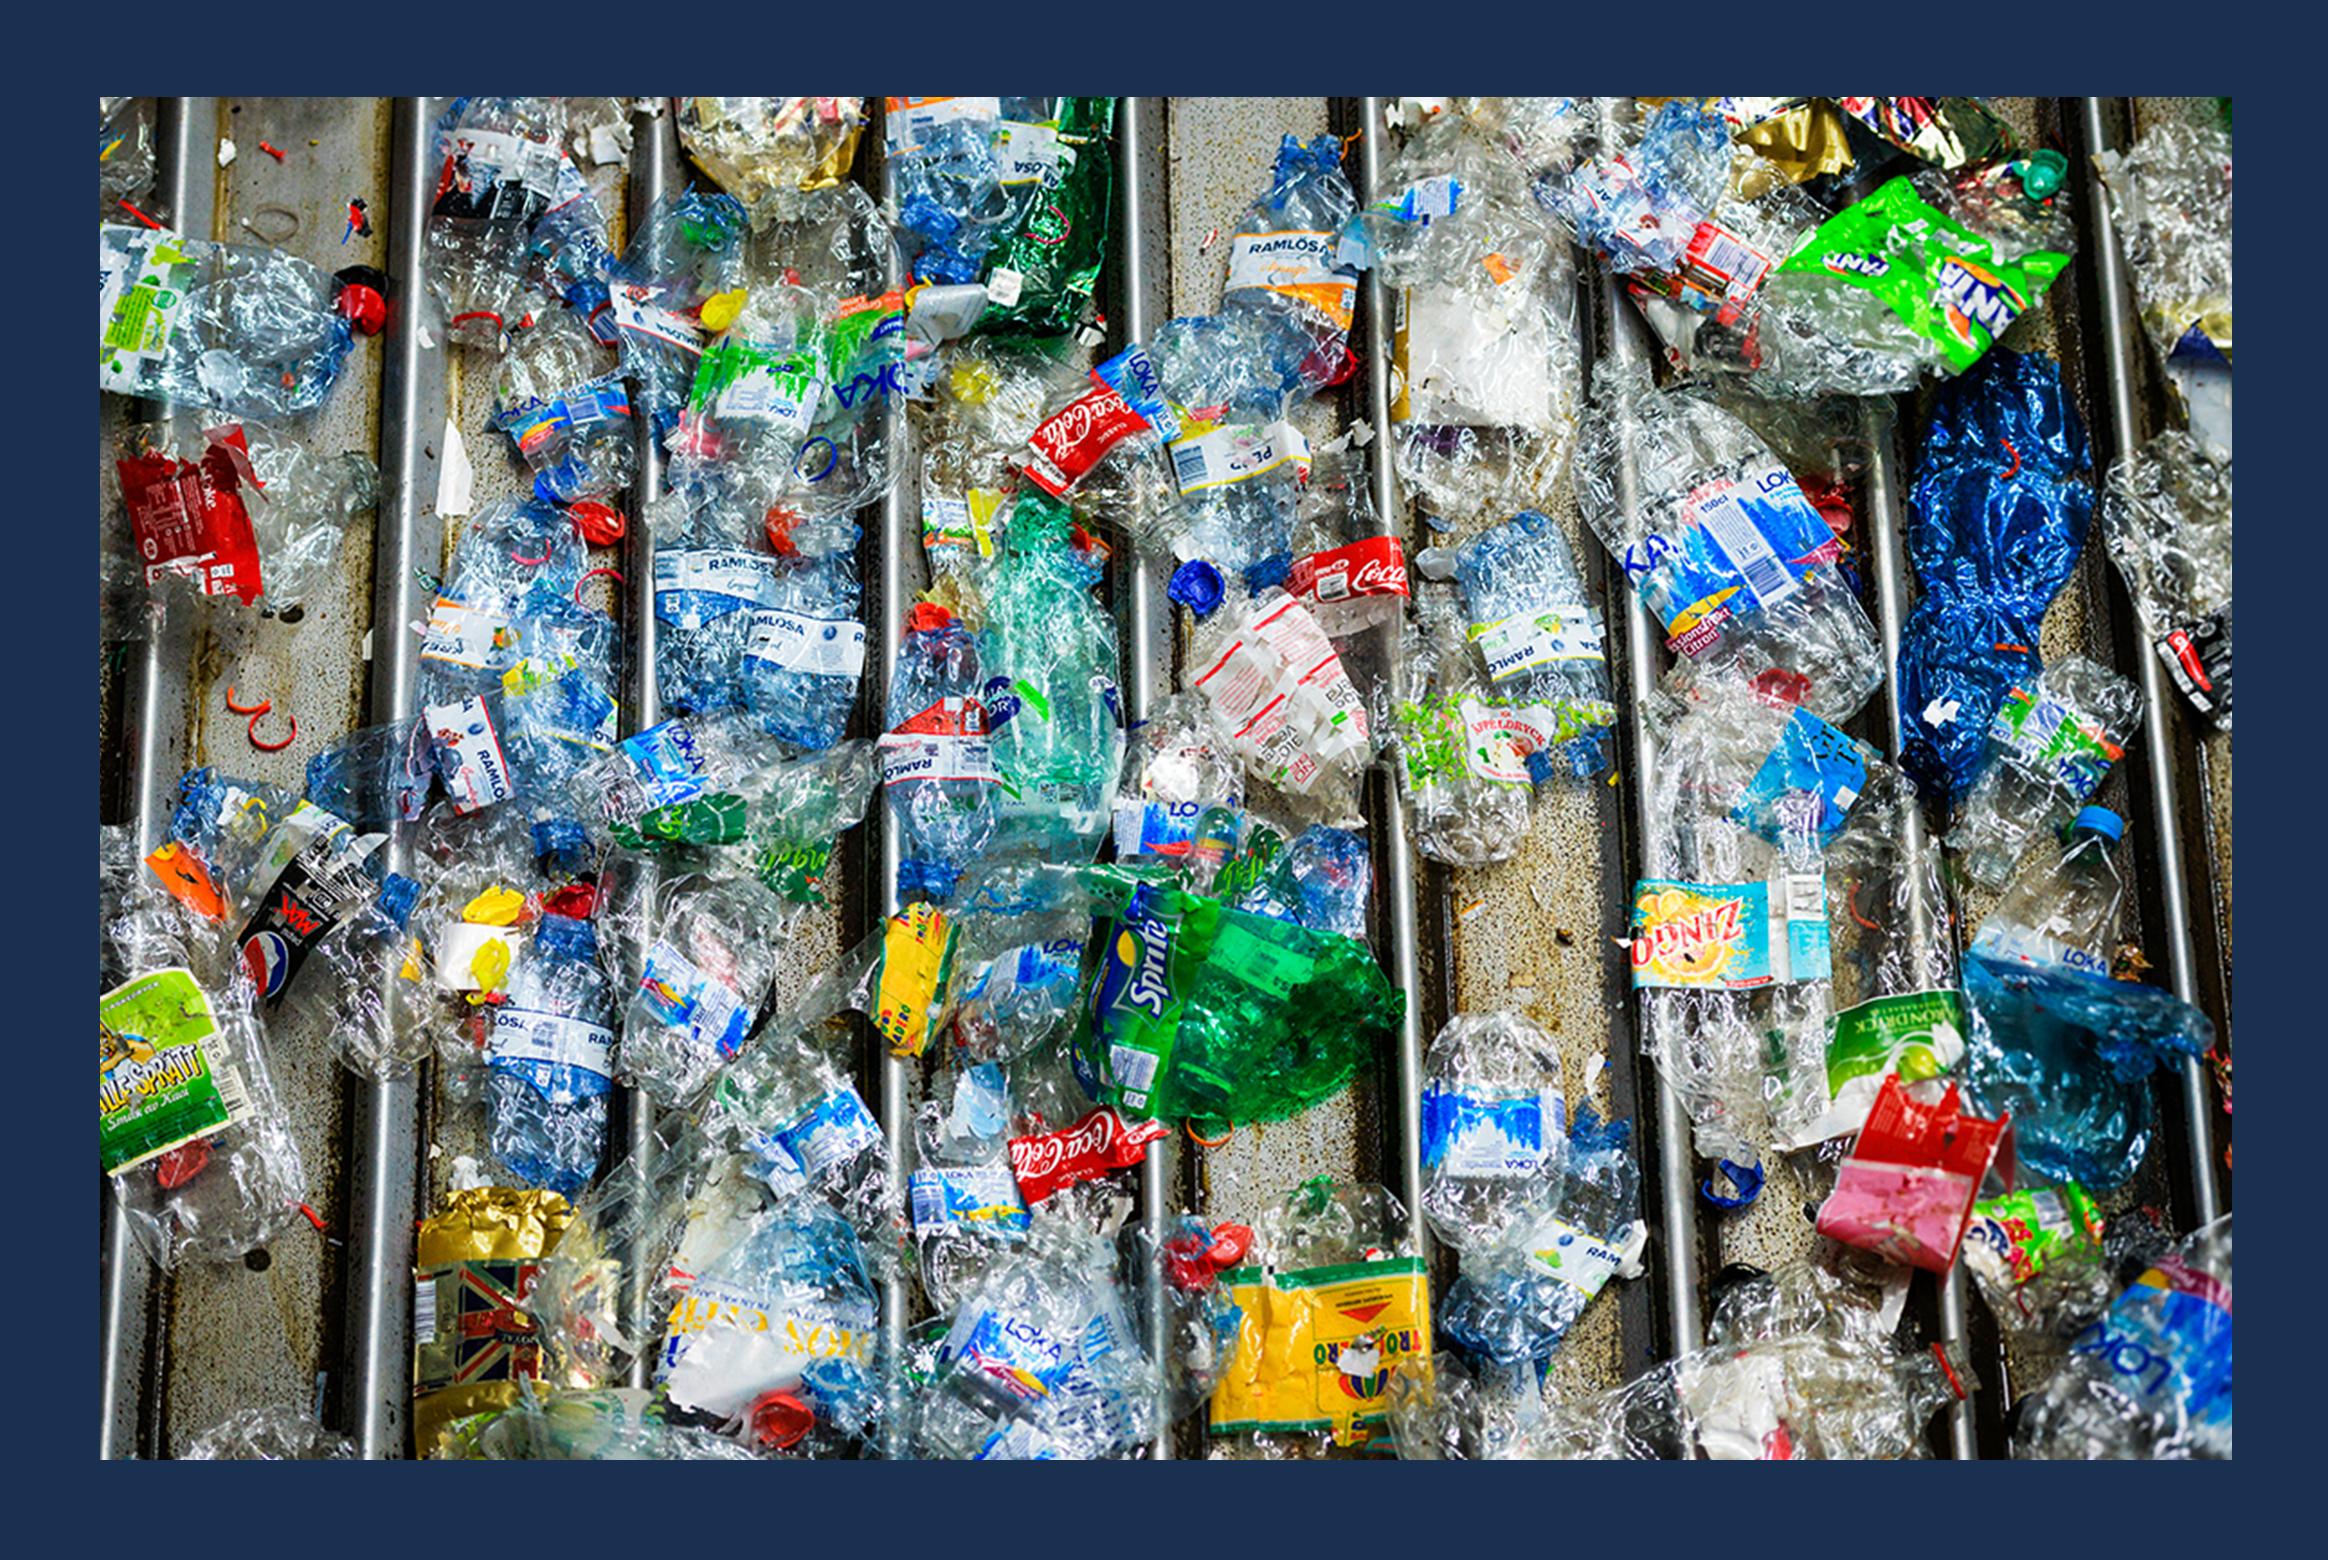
1316	1346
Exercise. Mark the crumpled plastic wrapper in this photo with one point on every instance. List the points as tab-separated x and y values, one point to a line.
2166	512
268	1435
2171	193
758	147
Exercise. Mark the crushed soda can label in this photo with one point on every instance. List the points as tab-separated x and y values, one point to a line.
1045	1162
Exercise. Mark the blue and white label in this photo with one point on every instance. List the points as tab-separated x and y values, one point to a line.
679	995
565	1059
1132	374
469	756
983	1195
663	765
1476	1139
814	647
695	585
833	1131
1806	785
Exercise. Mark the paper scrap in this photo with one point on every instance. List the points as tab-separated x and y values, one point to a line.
455	476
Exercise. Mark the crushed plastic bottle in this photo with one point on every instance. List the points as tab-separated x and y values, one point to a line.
775	1341
1921	275
1205	1012
1519	1295
1464	761
2166	511
1997	519
1182	801
1236	462
711	951
1042	271
1485	347
268	1435
949	181
1495	1128
1279	693
2036	1255
373	982
1542	641
965	1202
1286	261
787	1105
937	766
253	334
2056	1041
2152	1377
563	405
498	176
686	254
2171	195
551	1059
1724	549
1327	1314
1054	723
2051	744
1040	1362
208	1170
762	147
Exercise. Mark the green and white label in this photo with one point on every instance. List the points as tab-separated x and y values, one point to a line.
157	1084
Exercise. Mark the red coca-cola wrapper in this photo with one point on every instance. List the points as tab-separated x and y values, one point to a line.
1103	1141
1348	588
1075	438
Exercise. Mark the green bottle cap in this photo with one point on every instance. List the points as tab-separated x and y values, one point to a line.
2044	174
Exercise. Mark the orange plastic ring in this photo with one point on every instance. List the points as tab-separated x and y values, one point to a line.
1205	1142
252	732
233	708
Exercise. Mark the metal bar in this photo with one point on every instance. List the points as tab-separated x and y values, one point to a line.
1139	130
2120	346
1389	806
900	526
653	152
385	1156
157	731
1620	335
1887	544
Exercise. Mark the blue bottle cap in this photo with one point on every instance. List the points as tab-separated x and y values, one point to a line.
397	893
1269	571
2102	821
1196	585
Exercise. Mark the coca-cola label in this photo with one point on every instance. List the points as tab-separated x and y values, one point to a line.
1103	1141
1126	397
1374	567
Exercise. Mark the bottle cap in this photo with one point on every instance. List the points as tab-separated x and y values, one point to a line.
2046	169
2102	821
1269	571
397	893
927	617
1196	585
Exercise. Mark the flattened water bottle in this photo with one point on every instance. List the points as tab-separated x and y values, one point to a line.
551	1056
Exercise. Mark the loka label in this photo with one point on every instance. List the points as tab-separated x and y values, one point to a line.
1297	264
469	754
662	766
1044	1162
1731	936
1476	1139
815	647
1563	631
565	1059
1753	535
159	1084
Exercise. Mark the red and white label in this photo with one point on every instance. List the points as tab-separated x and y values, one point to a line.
1102	1141
188	516
1374	567
1072	440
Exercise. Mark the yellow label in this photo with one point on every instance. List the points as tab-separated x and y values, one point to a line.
983	503
1316	1348
917	954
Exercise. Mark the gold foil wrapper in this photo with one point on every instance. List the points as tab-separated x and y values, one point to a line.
472	1341
1803	143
